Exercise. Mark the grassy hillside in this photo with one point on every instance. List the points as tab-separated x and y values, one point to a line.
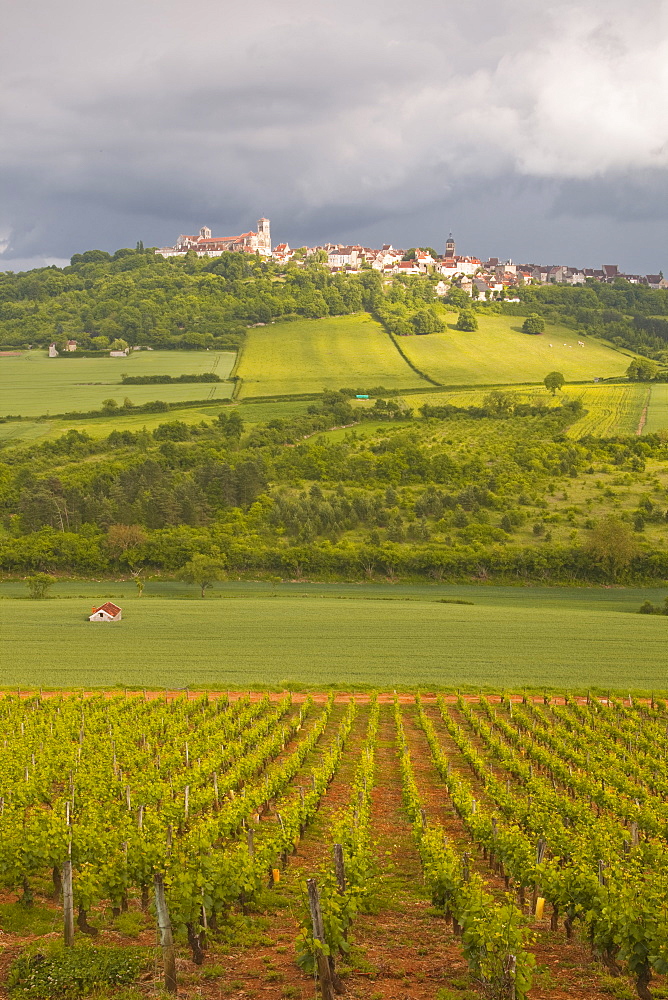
249	640
34	384
498	352
312	355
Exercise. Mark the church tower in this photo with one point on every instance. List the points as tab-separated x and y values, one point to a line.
263	236
450	247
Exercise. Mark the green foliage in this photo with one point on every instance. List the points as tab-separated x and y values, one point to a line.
39	585
612	544
54	972
642	370
554	381
533	324
467	321
203	570
426	321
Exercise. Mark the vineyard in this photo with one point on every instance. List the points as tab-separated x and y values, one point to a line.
248	845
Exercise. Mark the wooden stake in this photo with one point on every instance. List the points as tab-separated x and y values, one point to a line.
324	973
339	867
166	937
68	902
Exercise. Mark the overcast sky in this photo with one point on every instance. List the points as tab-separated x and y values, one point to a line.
534	132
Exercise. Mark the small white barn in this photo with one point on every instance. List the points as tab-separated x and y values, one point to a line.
106	613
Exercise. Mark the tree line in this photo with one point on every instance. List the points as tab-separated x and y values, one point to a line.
451	494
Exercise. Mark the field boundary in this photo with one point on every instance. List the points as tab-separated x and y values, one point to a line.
405	357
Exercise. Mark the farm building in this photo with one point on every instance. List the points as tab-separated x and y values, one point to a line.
106	613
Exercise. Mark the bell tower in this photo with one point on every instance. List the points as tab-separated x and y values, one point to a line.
263	236
450	247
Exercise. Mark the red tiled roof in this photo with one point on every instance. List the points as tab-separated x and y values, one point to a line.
111	609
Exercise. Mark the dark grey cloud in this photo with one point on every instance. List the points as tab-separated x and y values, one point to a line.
537	134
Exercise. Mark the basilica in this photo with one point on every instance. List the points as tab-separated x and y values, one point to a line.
206	245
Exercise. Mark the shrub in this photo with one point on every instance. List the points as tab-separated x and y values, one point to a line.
38	584
73	972
467	321
533	323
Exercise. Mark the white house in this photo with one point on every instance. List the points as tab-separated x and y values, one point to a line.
53	353
106	613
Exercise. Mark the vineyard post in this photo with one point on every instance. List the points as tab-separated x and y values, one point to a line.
166	938
68	901
68	895
324	973
340	868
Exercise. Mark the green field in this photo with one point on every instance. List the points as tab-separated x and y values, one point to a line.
611	409
34	431
34	384
657	412
509	637
312	355
498	352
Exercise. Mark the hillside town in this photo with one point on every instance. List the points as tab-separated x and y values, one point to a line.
481	279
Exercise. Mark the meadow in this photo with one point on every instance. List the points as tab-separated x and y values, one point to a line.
34	384
312	355
361	636
498	352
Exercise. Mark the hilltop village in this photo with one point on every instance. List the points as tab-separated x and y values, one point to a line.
481	279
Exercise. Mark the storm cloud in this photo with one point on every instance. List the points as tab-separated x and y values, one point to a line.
534	133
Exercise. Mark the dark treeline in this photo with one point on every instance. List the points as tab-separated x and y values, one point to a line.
168	379
469	497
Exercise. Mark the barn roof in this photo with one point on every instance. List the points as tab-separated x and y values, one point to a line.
111	609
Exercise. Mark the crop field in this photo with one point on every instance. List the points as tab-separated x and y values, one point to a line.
611	409
34	384
498	352
312	355
260	639
219	844
657	412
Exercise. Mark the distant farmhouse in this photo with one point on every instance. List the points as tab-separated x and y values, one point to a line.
206	245
106	613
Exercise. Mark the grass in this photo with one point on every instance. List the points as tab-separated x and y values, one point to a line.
611	409
35	431
312	355
498	352
657	413
34	384
510	637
